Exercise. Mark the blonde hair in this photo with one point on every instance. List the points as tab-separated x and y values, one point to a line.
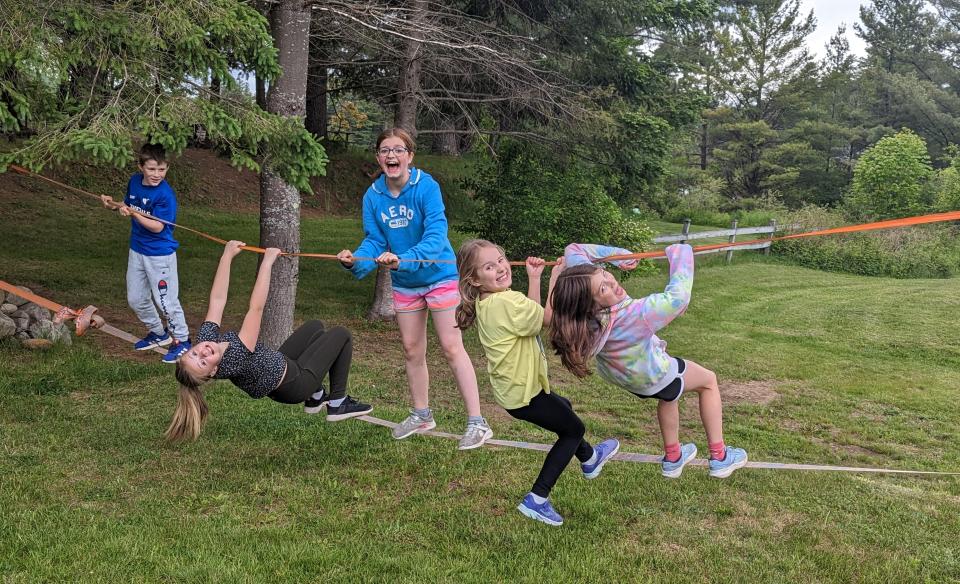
575	327
191	412
467	267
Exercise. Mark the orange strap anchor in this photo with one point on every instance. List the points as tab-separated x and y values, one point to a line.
83	319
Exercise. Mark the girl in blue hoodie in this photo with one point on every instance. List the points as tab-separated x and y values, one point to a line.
404	222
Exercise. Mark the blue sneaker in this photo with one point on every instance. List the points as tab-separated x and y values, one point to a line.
734	458
604	451
176	350
153	340
672	470
541	512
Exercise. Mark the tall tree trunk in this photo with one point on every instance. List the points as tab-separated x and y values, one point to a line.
317	85
408	84
279	201
448	142
703	146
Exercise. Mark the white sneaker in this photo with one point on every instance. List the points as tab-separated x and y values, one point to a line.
475	436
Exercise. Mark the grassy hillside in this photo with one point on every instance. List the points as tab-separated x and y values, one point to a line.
814	367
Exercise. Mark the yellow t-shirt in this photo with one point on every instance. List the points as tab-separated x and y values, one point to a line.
509	324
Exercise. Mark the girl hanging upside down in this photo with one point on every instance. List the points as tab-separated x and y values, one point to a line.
293	374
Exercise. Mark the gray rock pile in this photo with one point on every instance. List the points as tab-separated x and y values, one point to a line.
25	320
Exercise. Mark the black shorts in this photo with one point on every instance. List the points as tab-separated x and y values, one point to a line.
674	390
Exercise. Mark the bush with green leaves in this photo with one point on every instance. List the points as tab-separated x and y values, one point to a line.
913	252
946	185
534	203
892	179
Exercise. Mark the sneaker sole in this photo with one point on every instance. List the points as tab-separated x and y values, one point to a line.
314	410
155	345
537	517
421	428
347	416
486	436
724	473
675	473
596	471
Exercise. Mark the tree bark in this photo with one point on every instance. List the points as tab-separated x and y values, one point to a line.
408	83
317	86
382	308
279	201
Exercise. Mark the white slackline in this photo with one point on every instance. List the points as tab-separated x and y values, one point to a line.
650	458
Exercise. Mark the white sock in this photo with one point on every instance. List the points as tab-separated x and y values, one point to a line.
336	402
317	394
593	458
538	499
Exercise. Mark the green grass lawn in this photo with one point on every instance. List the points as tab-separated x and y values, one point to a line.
816	368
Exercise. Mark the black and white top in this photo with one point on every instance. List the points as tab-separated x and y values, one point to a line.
257	373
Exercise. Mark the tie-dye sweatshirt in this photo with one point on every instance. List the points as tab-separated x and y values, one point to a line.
628	351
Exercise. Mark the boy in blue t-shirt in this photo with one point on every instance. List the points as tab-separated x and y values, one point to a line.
152	280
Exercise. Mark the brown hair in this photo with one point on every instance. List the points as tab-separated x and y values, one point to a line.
397	133
154	152
467	267
191	412
575	327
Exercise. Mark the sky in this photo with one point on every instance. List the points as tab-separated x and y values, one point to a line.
830	14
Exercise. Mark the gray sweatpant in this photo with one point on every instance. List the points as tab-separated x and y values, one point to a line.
152	283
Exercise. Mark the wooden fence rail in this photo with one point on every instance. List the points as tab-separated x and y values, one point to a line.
731	234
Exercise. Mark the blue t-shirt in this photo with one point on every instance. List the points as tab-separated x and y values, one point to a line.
412	225
160	202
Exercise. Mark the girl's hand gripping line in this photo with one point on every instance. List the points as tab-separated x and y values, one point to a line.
389	260
554	274
534	271
221	282
250	330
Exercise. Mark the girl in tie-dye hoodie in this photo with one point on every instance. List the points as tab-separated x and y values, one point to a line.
594	317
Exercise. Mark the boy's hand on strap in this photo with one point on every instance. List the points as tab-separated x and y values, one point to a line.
232	248
388	259
109	203
534	267
346	258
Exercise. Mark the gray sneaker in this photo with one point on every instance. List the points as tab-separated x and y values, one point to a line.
412	425
475	436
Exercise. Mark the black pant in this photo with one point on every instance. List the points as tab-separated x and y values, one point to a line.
554	413
313	352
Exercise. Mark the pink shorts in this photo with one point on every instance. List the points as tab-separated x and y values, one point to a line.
437	297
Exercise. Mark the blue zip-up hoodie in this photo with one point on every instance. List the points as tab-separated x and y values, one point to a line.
412	225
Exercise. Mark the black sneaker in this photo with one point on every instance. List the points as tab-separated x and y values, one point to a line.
349	408
313	405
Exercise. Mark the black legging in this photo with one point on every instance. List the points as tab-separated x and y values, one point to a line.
315	352
554	413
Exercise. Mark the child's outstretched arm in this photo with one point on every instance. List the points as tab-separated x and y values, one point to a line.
221	282
588	253
659	309
554	274
250	330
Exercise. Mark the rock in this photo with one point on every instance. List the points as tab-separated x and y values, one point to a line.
7	327
36	312
22	335
37	344
16	300
22	322
8	308
64	336
44	329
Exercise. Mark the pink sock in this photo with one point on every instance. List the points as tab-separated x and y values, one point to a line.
718	450
672	452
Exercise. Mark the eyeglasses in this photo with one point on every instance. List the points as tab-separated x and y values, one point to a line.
398	150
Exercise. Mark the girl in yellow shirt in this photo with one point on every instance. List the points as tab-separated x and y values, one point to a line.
509	324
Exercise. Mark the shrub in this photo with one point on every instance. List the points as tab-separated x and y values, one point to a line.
892	179
914	252
533	203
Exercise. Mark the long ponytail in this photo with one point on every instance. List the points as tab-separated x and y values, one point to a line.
191	412
574	328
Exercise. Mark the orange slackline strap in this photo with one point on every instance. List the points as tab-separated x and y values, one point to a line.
890	224
83	319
